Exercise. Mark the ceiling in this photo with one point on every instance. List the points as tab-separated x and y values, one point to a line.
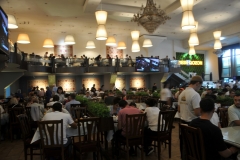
77	17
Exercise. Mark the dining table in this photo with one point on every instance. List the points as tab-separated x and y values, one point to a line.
231	135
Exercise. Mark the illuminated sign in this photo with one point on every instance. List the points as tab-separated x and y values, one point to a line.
193	63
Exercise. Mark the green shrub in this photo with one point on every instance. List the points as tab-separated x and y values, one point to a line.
156	94
225	100
130	93
96	108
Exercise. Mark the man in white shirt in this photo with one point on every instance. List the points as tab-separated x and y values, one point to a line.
72	101
189	99
55	100
67	120
234	112
166	94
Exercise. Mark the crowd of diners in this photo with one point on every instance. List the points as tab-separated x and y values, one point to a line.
197	110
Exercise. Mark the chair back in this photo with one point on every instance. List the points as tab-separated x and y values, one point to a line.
13	113
162	105
73	106
135	125
106	124
165	121
51	133
36	113
223	118
25	126
28	113
193	140
88	131
78	112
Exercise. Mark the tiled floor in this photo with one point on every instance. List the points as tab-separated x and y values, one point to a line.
14	150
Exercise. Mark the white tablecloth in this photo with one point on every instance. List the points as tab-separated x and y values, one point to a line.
141	105
231	135
69	133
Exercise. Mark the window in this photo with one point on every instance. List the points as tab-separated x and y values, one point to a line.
226	63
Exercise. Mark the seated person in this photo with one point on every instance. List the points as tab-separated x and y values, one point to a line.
114	109
57	114
72	100
13	103
152	118
214	145
55	100
87	95
133	104
126	109
234	112
109	99
37	110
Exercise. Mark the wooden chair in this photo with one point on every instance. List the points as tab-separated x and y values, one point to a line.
223	118
88	136
52	146
135	131
74	106
33	123
193	142
162	105
0	123
27	135
78	112
106	124
13	121
164	131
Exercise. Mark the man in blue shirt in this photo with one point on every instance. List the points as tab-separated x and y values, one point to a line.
72	101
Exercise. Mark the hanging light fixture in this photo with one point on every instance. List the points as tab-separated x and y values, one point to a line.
69	39
12	23
217	36
147	43
90	45
135	35
150	16
111	41
193	39
23	39
48	43
188	21
101	33
135	46
121	45
191	50
101	17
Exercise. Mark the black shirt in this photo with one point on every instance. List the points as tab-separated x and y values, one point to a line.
109	100
212	136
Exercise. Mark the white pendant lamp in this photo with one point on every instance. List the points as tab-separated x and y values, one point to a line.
193	39
12	23
217	36
188	21
101	33
121	45
111	41
135	46
23	39
69	39
90	45
217	44
191	50
48	43
101	17
147	43
135	35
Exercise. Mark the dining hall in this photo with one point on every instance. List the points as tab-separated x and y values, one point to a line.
133	79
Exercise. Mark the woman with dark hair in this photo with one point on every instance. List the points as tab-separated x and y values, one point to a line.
60	94
152	119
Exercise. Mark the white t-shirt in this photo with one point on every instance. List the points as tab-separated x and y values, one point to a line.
58	116
152	117
188	100
215	119
165	94
233	115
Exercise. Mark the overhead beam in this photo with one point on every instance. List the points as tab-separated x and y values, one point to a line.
206	37
90	6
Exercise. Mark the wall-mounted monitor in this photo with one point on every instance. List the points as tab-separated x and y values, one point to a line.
4	46
147	64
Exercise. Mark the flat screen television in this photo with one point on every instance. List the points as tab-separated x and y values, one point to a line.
147	64
4	47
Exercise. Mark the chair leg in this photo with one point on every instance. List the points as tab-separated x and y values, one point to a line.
169	147
159	149
25	152
31	153
142	153
127	148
